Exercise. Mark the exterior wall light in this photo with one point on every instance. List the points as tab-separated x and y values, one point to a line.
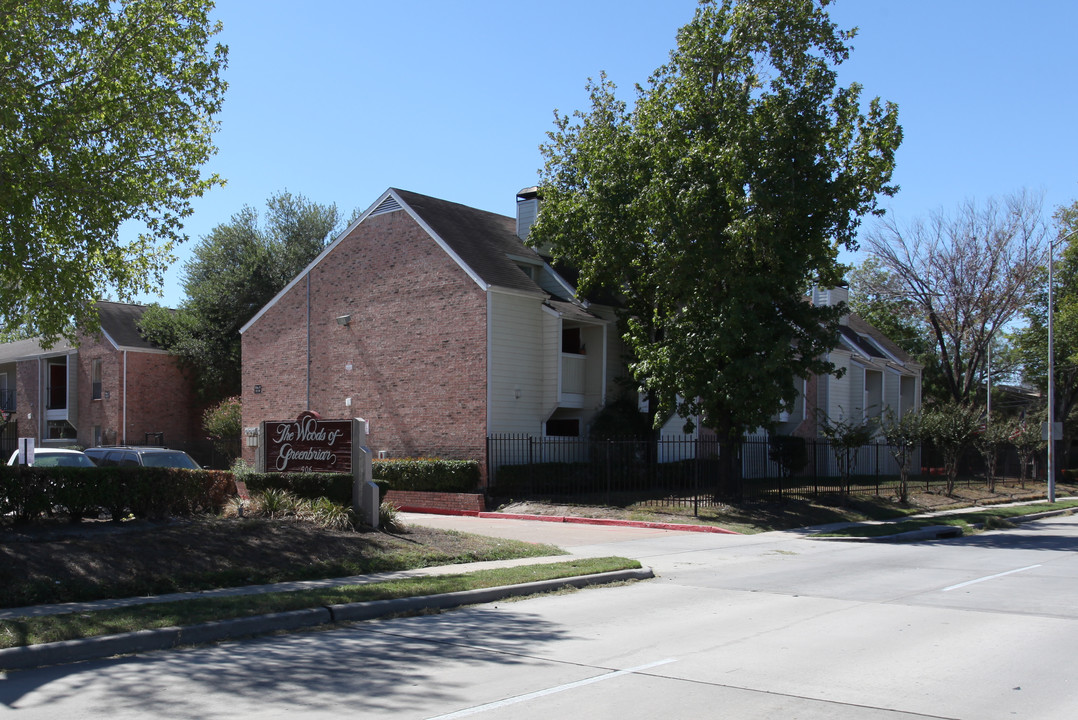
344	319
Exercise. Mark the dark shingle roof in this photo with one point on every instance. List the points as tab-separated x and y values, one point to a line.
862	327
120	322
483	240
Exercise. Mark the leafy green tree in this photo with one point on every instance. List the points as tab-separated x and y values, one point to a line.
1030	342
107	111
904	435
846	437
223	424
1028	441
235	270
789	452
951	428
711	205
989	442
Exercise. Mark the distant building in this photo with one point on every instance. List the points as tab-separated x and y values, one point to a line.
111	389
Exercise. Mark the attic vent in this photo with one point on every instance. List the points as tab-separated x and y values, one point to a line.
388	205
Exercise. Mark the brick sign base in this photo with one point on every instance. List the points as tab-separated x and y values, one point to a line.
436	502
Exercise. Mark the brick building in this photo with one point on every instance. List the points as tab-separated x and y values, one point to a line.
433	321
112	389
436	323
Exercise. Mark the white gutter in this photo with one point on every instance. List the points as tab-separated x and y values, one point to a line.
124	441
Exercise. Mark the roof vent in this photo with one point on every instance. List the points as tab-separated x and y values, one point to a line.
388	205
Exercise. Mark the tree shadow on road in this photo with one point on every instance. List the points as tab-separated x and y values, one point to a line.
363	667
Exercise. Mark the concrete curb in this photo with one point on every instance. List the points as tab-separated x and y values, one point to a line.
96	648
683	527
940	532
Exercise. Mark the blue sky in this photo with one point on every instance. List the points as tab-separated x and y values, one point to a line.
339	100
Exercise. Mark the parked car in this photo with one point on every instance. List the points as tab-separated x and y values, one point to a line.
55	457
132	456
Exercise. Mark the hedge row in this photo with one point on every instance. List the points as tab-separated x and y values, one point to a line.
26	493
428	475
336	487
423	475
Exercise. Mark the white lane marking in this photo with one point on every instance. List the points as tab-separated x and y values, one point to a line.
988	577
549	691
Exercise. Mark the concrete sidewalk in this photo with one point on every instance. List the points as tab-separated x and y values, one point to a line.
579	538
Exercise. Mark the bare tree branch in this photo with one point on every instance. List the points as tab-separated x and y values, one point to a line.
969	274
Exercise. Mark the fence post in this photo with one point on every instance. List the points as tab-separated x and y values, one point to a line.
531	465
696	480
815	467
877	469
608	470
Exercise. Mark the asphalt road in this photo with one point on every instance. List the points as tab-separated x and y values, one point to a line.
765	626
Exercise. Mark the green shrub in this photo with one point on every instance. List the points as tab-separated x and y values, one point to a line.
334	486
149	492
389	518
430	475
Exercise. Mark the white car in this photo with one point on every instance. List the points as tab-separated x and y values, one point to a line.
55	457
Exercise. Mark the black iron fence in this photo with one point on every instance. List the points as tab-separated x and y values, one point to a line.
702	471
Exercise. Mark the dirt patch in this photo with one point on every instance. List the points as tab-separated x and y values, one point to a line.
54	562
790	513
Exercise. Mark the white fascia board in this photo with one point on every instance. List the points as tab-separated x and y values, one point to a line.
148	351
45	355
881	348
128	348
569	289
854	350
597	322
539	294
527	260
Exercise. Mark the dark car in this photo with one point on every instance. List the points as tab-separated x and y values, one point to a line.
144	456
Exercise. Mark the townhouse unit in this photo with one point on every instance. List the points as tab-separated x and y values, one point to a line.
113	388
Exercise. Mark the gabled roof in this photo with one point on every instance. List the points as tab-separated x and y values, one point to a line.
484	244
482	240
119	324
26	349
119	327
871	341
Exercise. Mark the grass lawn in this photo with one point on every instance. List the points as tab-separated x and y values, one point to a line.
68	626
988	517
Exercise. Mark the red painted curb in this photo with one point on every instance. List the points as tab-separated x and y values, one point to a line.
573	519
437	511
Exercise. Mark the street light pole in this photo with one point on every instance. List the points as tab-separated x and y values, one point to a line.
1051	378
1051	368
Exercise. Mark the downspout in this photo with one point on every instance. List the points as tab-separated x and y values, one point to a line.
308	341
124	441
40	402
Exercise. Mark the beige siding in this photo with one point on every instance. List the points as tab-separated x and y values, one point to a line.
891	395
838	389
551	353
516	363
855	402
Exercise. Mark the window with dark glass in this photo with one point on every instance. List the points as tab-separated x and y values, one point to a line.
570	341
95	378
563	427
